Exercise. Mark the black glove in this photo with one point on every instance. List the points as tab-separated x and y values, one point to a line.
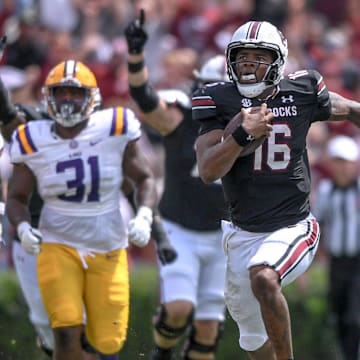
165	251
166	254
136	35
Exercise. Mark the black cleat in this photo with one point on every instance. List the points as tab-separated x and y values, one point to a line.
159	353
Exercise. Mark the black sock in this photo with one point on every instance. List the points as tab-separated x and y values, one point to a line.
159	353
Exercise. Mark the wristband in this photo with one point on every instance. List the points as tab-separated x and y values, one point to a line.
242	137
145	96
136	67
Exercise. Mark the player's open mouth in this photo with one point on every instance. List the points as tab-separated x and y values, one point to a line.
248	78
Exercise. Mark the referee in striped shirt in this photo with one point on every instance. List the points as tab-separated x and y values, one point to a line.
337	208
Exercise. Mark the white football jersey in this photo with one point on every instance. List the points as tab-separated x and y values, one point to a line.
79	179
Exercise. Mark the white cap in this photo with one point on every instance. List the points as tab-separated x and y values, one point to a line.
343	147
175	97
213	70
12	77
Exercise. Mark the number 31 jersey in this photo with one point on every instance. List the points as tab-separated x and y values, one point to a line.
79	179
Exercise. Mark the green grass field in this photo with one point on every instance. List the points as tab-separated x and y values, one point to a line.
313	336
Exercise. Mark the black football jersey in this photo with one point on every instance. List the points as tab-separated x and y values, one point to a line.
269	188
186	200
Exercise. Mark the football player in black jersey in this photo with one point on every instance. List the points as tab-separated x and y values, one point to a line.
192	287
272	236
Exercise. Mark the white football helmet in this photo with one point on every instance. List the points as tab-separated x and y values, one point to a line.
254	35
213	70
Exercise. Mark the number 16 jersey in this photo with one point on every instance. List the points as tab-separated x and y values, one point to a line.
269	189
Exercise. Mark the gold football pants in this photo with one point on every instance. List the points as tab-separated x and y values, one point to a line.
95	284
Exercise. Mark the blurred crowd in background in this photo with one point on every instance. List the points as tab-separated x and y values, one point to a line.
183	34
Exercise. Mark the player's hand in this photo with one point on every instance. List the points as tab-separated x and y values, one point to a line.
166	254
139	228
30	238
136	35
257	121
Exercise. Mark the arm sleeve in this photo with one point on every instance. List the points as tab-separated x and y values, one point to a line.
204	111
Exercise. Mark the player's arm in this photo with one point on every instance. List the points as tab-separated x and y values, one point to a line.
216	155
137	169
165	251
9	117
155	110
21	186
344	109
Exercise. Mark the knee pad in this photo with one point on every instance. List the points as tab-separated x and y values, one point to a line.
110	346
167	331
193	345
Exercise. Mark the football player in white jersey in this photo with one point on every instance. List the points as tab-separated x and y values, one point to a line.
78	163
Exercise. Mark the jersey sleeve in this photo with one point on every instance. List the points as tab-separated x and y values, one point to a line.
323	110
21	144
125	122
204	111
134	126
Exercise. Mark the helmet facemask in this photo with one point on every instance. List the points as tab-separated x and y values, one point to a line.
70	110
266	37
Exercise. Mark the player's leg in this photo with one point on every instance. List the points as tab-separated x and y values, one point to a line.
282	257
209	314
25	267
107	302
266	352
274	309
61	280
179	282
203	340
170	324
239	247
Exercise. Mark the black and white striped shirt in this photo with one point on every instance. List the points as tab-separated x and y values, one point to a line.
338	211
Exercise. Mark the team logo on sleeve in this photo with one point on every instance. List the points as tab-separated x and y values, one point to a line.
246	103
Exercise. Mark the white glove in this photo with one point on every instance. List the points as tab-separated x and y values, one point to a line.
30	238
139	228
